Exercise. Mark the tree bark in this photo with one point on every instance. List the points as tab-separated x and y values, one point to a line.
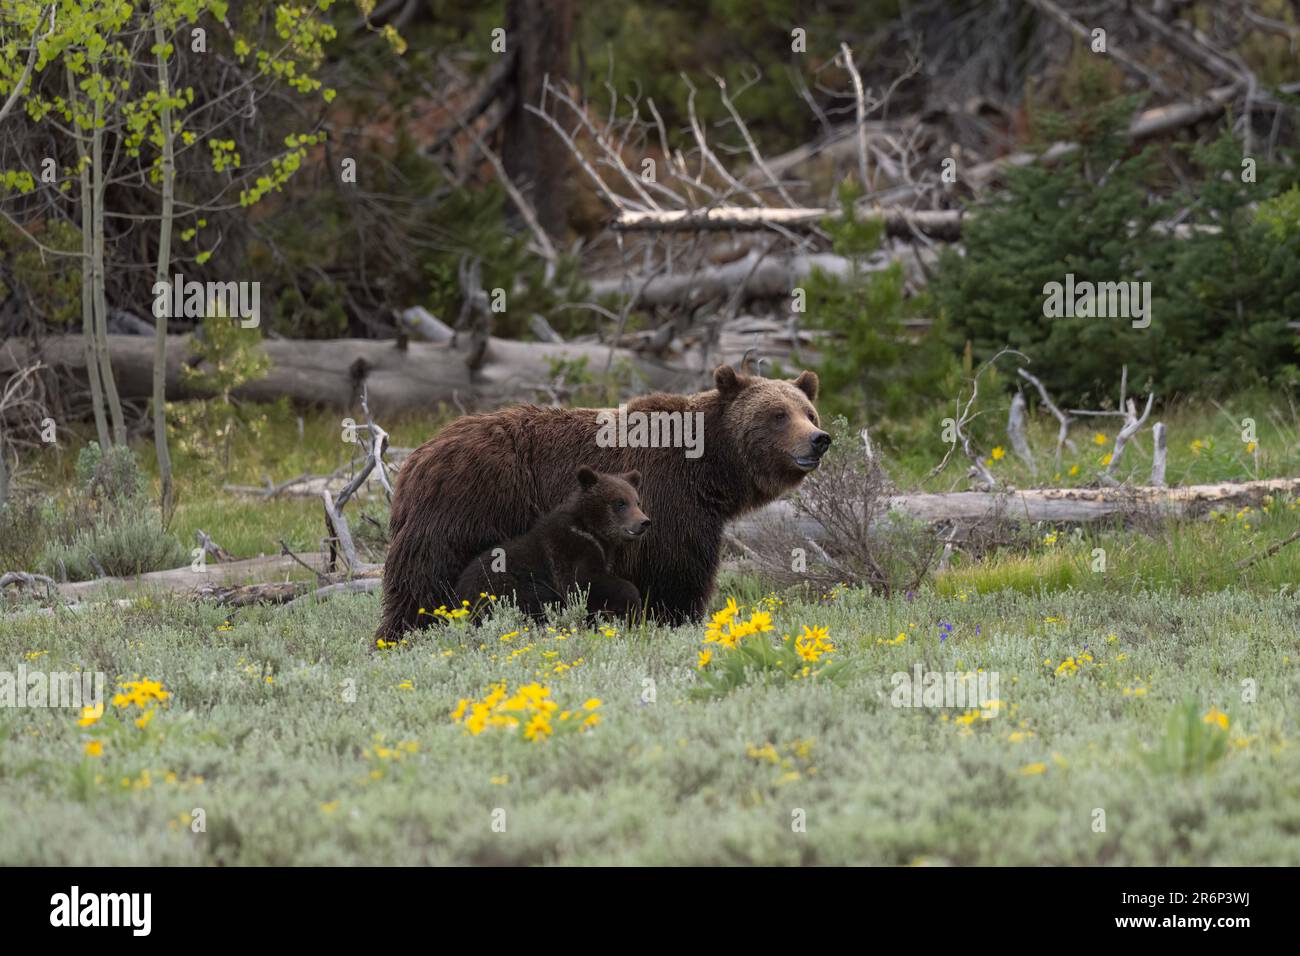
1040	504
160	275
535	159
329	373
944	224
87	281
99	177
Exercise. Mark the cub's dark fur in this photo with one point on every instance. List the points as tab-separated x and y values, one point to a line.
570	548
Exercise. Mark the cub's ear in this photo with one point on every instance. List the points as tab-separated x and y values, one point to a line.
727	382
807	383
586	477
633	478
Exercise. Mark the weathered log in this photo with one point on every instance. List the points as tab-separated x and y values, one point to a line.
944	224
421	324
1063	505
216	577
330	373
753	276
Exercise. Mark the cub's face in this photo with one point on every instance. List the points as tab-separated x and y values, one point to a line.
610	505
775	426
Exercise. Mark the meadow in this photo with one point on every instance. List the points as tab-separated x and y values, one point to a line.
300	746
1144	715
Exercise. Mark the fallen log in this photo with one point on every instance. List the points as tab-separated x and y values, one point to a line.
755	276
1050	505
943	224
329	373
216	579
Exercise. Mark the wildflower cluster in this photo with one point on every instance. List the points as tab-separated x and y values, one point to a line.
530	710
137	701
725	628
729	660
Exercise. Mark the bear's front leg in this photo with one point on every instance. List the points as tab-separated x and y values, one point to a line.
610	595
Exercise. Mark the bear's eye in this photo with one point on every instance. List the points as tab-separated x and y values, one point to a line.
620	506
780	416
812	418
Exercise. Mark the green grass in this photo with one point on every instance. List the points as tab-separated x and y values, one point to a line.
290	773
1189	557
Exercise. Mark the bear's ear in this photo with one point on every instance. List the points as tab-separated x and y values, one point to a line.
633	478
586	477
807	383
727	382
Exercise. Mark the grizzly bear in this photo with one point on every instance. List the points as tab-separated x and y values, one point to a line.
569	549
487	478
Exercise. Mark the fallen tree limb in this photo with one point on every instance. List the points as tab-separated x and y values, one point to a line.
354	586
1268	552
186	580
1063	505
944	224
330	373
753	276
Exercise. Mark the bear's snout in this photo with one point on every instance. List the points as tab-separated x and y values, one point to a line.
635	528
818	442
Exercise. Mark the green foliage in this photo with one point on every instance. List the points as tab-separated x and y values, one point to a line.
874	369
644	48
107	527
121	542
22	533
573	380
1220	298
113	477
1229	295
477	221
227	356
50	285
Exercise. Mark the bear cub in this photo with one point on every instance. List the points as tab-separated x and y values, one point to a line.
569	548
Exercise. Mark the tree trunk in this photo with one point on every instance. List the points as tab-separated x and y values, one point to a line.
87	283
99	177
539	32
161	275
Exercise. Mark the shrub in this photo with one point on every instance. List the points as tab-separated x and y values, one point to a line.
118	544
860	542
109	529
1220	298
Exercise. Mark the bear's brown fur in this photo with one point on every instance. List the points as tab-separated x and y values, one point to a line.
487	478
570	549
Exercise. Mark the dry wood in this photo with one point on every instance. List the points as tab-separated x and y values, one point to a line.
1065	505
942	224
329	373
